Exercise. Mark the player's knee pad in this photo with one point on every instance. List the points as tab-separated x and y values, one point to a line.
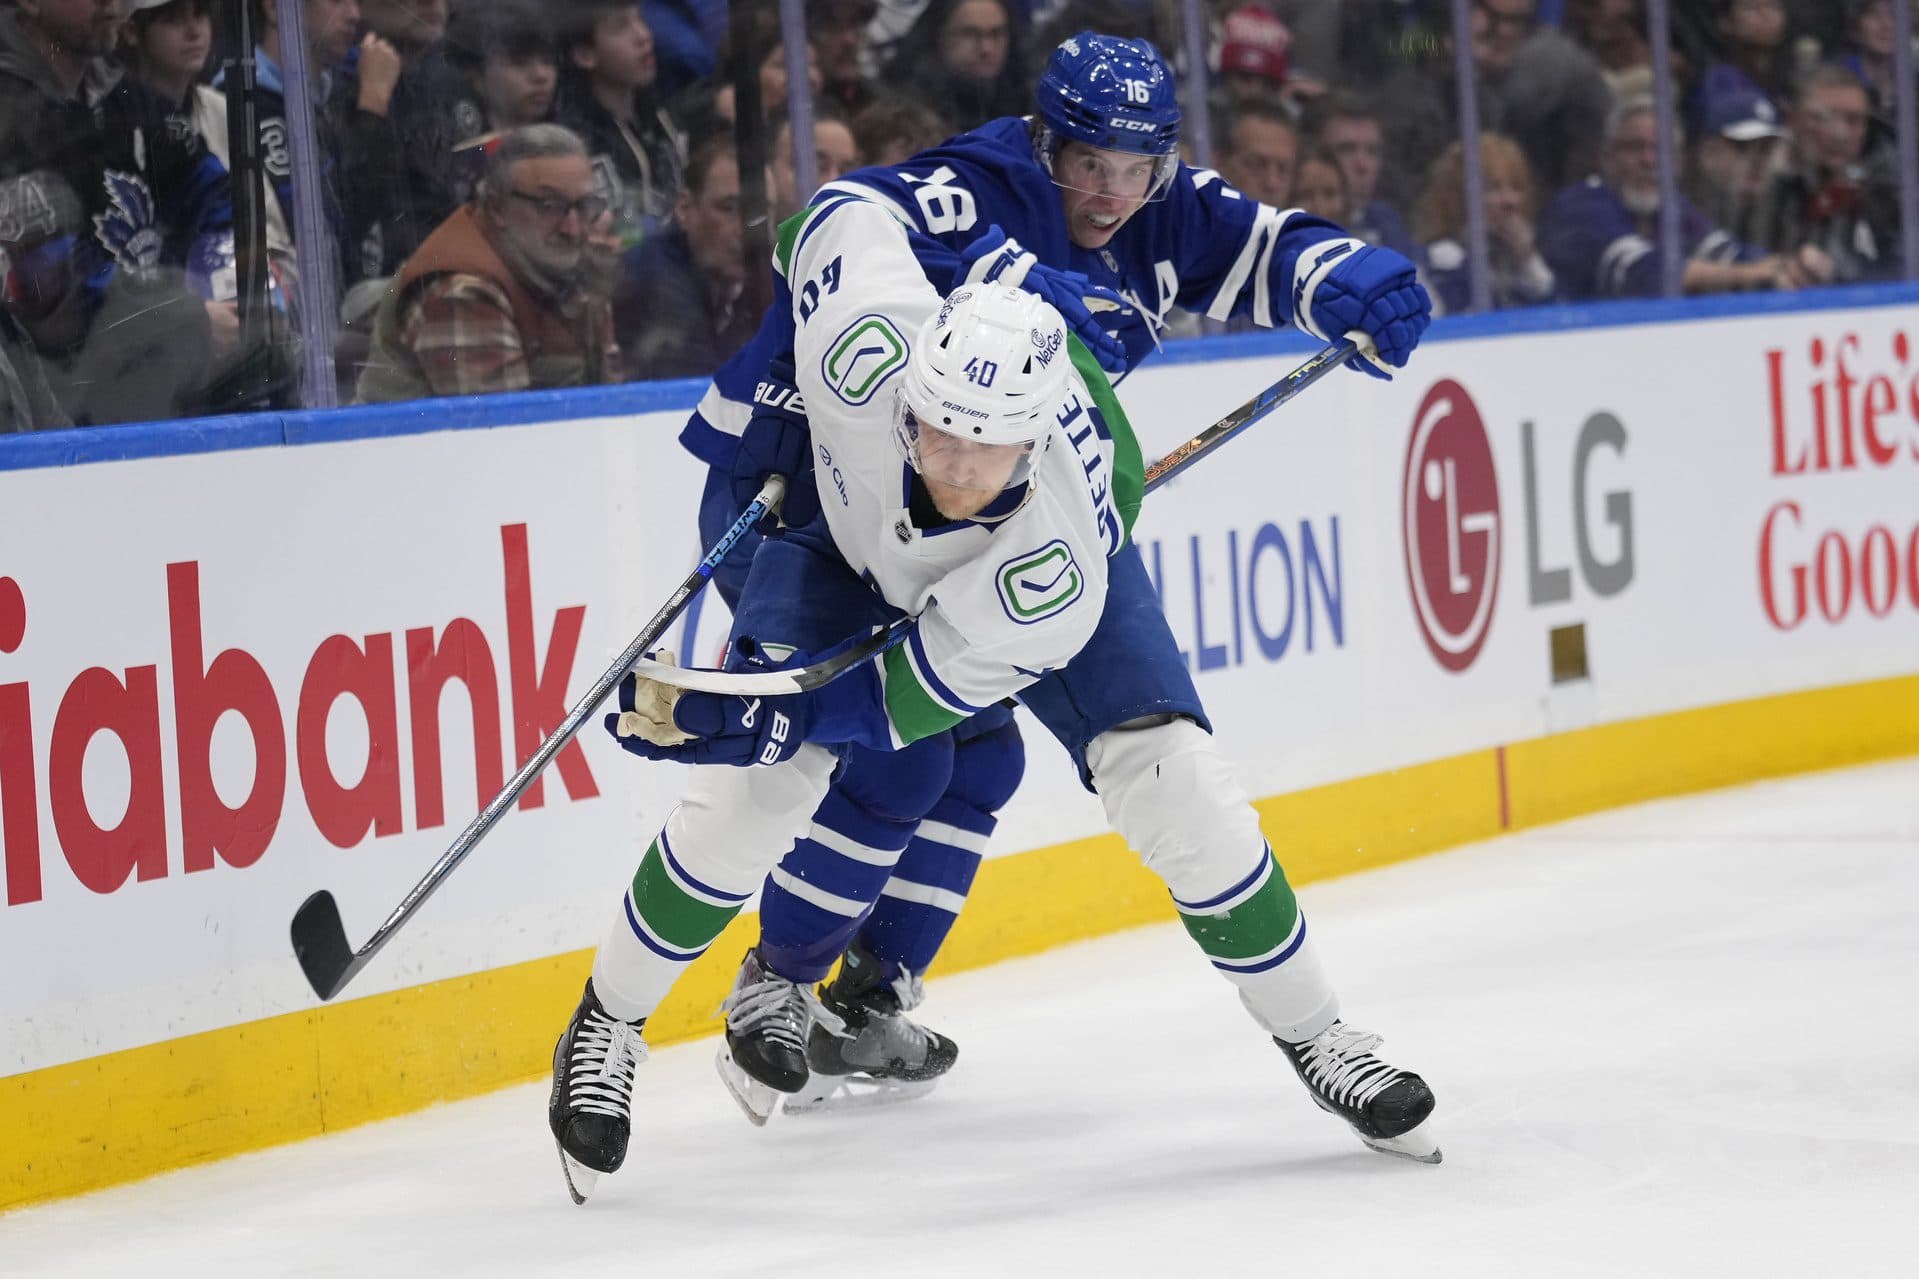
733	824
1176	801
901	785
987	768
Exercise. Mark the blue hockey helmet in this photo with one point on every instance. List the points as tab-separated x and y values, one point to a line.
1113	94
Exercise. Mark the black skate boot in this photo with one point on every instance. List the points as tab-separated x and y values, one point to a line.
767	1022
1387	1107
883	1055
593	1068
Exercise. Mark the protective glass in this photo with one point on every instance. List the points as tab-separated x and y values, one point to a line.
956	462
1125	175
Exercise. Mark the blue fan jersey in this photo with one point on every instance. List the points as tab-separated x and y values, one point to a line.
1597	248
1204	247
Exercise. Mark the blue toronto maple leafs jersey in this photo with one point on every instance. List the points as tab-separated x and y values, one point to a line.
1204	247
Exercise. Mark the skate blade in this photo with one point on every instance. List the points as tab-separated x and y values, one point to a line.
855	1092
580	1179
1416	1143
760	1102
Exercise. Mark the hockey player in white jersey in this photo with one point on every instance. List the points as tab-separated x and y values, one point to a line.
966	454
1114	230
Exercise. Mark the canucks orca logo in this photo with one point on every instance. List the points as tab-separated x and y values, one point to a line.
869	351
126	229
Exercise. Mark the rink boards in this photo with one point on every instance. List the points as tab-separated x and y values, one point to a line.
1630	553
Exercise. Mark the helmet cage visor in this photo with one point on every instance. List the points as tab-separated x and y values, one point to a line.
955	461
1091	170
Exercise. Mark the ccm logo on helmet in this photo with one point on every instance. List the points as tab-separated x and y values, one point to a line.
1137	126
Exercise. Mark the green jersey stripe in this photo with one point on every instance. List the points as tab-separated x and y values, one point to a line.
1129	465
914	710
789	236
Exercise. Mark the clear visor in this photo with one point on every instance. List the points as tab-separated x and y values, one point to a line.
954	462
1123	175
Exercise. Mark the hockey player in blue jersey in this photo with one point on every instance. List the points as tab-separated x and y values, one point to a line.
978	491
1106	222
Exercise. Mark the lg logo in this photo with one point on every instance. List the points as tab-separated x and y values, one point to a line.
1452	522
1450	514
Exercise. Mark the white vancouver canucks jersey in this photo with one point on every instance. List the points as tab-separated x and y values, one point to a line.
1000	598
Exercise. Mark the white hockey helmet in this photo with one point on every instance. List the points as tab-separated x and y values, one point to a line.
982	389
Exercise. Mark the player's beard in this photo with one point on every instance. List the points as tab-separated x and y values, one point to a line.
957	503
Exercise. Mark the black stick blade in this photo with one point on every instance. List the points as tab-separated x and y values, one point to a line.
320	944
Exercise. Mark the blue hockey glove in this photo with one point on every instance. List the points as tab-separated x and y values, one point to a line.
776	442
997	258
658	721
1345	285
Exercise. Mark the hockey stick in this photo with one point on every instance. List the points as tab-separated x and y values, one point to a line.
319	938
801	679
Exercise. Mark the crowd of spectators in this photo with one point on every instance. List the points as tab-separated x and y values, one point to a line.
518	193
1787	168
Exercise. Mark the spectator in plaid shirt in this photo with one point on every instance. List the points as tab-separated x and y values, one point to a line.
509	293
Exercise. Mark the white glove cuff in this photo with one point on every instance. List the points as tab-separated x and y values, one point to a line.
995	268
1314	265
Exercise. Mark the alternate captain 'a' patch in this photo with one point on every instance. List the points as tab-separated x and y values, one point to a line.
1040	584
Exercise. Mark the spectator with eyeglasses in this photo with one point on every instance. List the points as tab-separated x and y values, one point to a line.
965	59
497	297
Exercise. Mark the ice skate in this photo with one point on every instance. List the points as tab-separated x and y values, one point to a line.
763	1058
1386	1106
883	1056
593	1068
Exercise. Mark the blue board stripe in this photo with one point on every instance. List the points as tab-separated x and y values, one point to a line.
33	450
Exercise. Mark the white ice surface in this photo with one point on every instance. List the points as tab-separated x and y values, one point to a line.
1681	1039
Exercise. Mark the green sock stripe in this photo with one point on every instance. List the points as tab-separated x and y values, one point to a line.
677	916
1256	926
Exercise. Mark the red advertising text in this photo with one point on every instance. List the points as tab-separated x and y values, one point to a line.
206	682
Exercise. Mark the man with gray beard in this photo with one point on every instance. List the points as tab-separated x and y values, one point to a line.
509	293
1600	236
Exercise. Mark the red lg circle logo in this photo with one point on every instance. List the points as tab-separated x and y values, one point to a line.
1450	514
